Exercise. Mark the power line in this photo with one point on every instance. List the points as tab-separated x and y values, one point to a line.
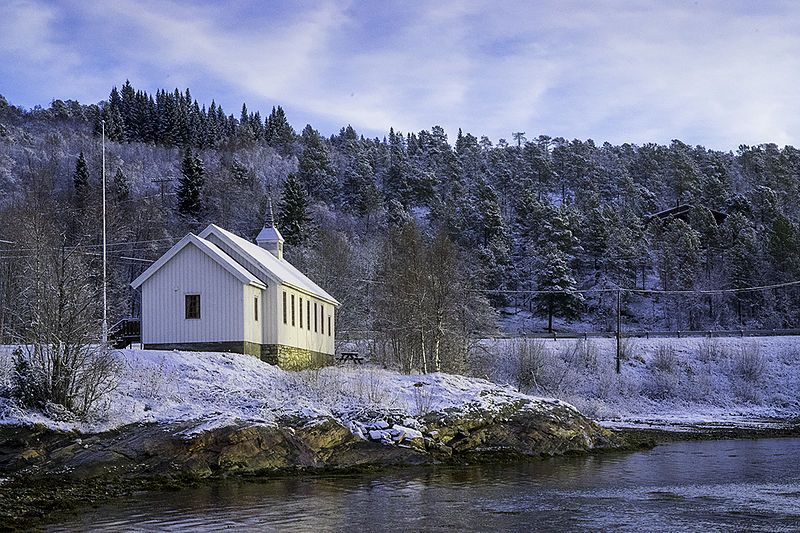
642	291
121	243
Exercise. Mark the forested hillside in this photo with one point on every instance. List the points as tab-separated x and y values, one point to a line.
413	232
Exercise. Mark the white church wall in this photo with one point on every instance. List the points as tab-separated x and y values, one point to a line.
163	301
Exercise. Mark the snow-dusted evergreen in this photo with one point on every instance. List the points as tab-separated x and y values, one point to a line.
535	213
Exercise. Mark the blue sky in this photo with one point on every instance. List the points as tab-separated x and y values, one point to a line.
718	74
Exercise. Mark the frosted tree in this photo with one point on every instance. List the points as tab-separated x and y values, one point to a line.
59	360
554	274
80	181
121	189
315	170
191	185
293	219
278	132
679	255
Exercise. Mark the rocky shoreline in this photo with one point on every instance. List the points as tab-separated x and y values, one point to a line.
45	471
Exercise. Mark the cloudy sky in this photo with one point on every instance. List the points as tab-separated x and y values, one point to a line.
718	74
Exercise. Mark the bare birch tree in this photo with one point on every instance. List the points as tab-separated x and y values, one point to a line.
426	306
59	360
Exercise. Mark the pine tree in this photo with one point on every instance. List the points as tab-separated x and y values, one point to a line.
397	185
293	219
80	180
359	193
191	185
784	247
679	255
555	274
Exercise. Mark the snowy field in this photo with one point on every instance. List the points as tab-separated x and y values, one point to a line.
217	389
663	381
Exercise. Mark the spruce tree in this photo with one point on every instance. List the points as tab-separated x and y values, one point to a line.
190	185
278	132
359	193
80	180
293	219
315	170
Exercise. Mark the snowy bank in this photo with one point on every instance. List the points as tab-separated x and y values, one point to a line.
218	389
678	382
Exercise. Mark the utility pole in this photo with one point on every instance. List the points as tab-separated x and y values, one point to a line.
163	182
105	277
619	327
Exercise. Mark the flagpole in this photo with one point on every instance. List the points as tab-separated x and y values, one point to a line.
105	297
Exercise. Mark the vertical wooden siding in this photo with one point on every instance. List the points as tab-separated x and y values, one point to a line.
295	335
221	301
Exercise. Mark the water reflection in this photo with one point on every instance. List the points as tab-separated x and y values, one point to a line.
696	486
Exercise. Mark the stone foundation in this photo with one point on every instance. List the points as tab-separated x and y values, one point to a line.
286	357
292	358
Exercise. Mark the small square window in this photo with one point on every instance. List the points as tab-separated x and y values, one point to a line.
192	302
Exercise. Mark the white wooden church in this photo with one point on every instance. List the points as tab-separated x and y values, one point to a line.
219	292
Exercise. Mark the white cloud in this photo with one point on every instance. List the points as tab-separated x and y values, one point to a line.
713	73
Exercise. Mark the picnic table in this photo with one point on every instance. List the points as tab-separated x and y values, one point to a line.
350	356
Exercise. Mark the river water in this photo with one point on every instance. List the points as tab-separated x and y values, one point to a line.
729	485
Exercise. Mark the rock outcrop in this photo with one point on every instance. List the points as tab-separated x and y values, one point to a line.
185	450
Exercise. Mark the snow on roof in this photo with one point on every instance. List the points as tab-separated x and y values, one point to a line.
280	269
212	251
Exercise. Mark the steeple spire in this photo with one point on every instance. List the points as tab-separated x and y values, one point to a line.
270	222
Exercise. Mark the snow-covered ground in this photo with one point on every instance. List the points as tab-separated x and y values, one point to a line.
670	382
664	381
217	389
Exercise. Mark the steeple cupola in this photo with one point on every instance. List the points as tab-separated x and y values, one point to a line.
270	238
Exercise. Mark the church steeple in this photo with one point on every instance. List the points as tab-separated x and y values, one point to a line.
270	238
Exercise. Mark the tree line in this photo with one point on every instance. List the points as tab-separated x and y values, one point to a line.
378	220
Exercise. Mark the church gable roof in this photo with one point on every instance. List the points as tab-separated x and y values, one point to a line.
280	270
209	249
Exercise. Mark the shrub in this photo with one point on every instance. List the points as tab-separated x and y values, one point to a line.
665	360
582	354
710	350
536	367
627	347
368	387
749	364
661	385
75	376
153	382
423	399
